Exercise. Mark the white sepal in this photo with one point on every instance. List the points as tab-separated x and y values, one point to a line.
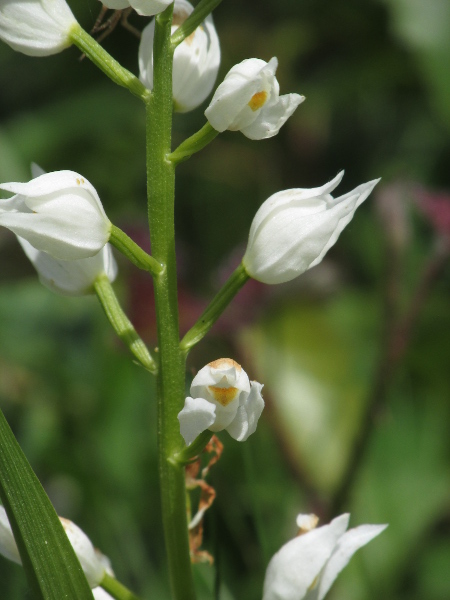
71	277
59	213
249	100
195	63
222	398
197	416
294	229
306	567
93	563
36	27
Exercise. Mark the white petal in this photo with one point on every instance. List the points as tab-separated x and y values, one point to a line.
270	120
91	564
100	594
232	96
149	8
294	567
362	192
146	55
304	198
71	277
197	415
348	544
36	27
246	420
59	213
8	545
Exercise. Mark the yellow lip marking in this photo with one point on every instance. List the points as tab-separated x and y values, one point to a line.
223	395
258	100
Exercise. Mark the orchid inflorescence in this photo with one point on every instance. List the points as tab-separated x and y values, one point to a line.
61	224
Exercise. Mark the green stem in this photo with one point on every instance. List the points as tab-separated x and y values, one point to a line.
171	384
122	325
193	144
235	282
120	240
193	450
105	62
116	589
198	15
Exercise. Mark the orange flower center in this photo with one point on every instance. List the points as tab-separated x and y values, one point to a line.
258	100
223	395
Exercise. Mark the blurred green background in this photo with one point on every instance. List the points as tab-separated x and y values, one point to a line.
356	381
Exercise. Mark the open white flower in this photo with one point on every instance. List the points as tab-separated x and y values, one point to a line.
71	277
195	62
306	567
36	27
222	398
146	8
59	213
294	229
249	100
93	563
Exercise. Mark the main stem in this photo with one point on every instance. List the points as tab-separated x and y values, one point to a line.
170	388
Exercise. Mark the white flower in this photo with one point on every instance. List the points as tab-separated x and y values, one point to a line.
195	63
306	567
249	100
59	213
36	27
147	8
222	398
294	229
92	562
100	594
71	277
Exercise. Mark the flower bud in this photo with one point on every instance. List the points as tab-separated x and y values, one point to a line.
146	8
92	562
71	277
36	27
294	229
59	213
195	63
307	566
222	398
249	100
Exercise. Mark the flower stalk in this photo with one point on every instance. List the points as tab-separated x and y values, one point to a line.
170	380
193	144
202	10
219	303
120	240
106	63
192	451
116	589
122	325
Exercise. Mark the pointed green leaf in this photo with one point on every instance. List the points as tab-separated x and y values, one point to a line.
51	566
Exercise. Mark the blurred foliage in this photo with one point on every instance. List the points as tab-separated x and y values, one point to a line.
375	74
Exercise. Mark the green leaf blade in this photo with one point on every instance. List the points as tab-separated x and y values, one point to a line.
51	566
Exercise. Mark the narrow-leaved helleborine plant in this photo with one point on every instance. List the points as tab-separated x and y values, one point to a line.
64	230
